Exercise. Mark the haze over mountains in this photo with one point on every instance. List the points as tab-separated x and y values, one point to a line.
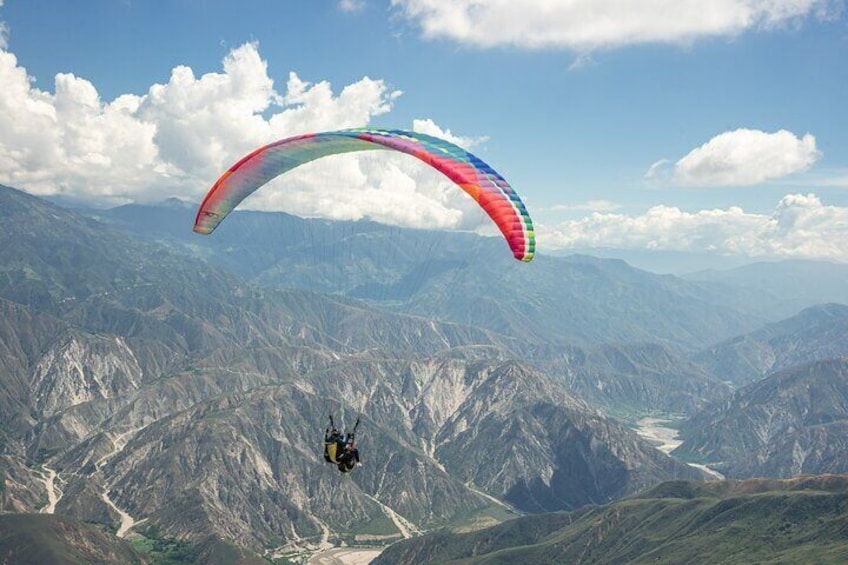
183	382
796	284
454	277
817	332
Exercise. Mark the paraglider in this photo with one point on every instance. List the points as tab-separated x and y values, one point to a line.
339	449
488	188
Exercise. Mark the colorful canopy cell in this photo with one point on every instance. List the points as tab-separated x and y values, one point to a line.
471	174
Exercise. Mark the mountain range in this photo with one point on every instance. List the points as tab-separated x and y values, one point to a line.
816	333
174	389
794	421
456	277
793	284
153	392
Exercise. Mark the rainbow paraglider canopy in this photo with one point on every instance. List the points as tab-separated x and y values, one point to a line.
470	173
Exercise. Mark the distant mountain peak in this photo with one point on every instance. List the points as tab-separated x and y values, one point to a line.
177	203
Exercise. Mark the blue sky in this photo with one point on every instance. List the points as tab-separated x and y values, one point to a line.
655	124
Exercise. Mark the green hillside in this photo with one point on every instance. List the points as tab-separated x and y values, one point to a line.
36	539
802	520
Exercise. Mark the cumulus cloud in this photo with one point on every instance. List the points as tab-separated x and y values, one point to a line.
590	24
429	127
801	226
176	139
171	140
739	158
382	186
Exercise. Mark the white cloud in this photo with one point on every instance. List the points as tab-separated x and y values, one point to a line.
4	32
177	138
590	206
351	5
384	186
660	172
801	226
739	158
429	127
590	24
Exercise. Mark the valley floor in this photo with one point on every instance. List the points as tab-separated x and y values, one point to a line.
661	436
664	438
344	556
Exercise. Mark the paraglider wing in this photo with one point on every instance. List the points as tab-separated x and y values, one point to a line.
470	173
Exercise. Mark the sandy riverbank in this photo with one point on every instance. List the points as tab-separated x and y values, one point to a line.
344	556
656	431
